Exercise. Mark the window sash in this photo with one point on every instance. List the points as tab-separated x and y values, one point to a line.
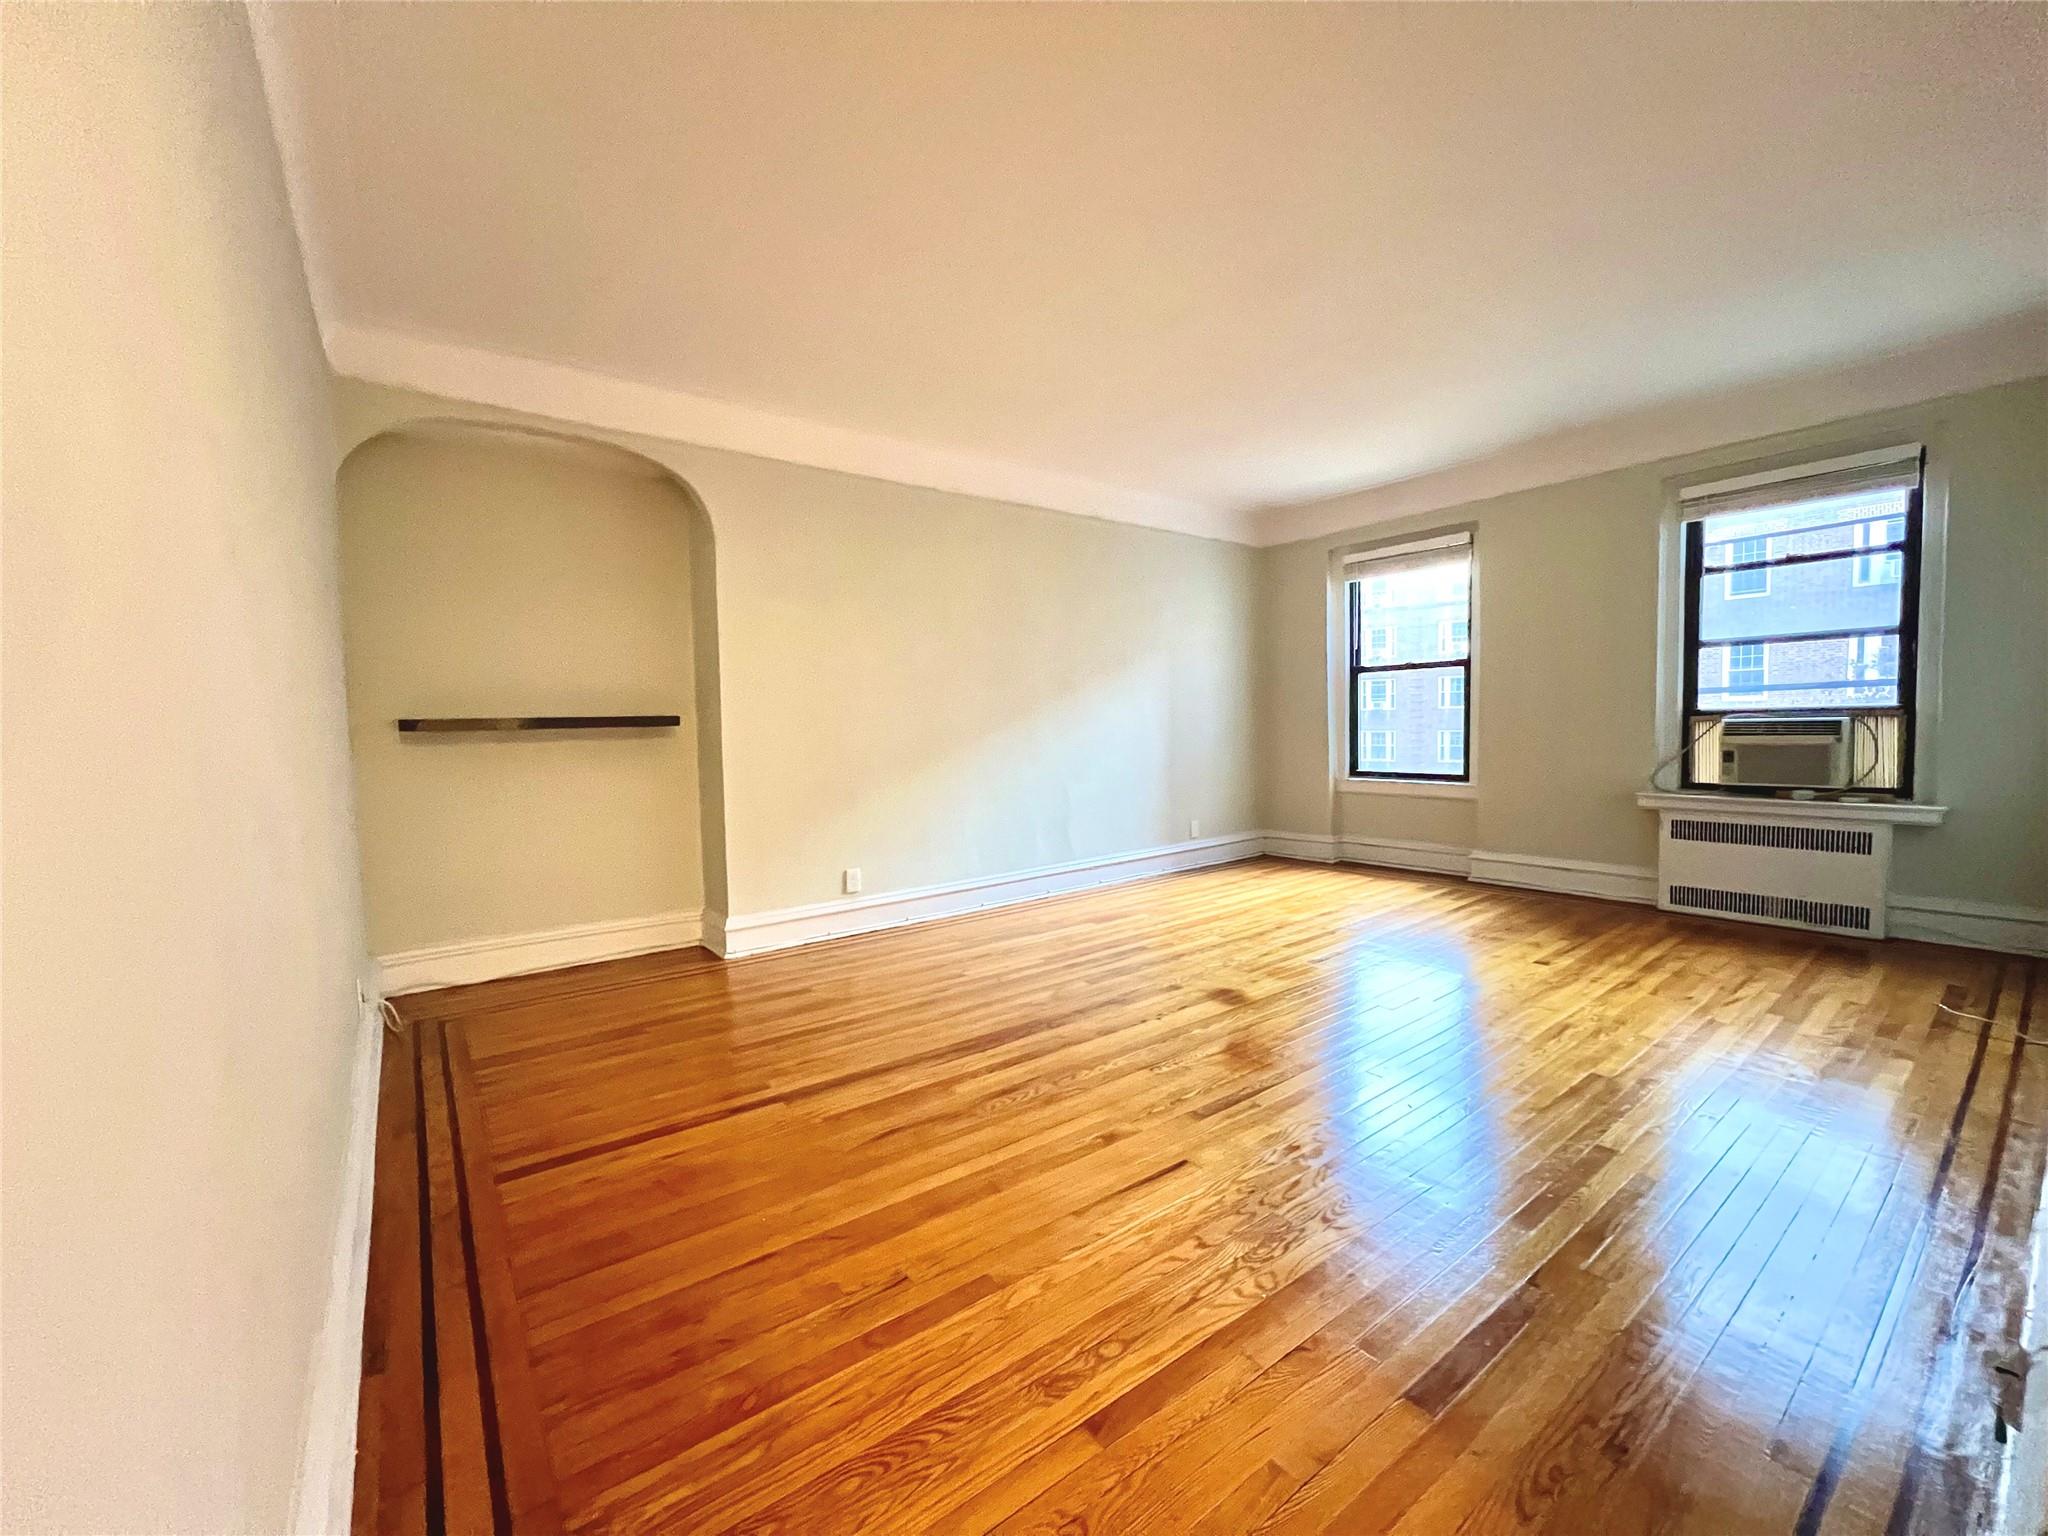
1906	548
1358	571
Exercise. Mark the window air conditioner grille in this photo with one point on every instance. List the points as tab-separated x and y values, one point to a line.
1758	834
1788	909
1749	726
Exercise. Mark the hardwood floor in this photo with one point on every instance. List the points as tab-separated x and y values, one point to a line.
1271	1198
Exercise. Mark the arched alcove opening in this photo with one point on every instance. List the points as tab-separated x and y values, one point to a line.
497	570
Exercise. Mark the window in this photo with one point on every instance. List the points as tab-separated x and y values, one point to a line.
1744	668
1409	627
1802	597
1880	569
1748	576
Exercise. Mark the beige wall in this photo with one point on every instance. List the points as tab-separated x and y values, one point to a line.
182	929
487	572
934	687
1565	685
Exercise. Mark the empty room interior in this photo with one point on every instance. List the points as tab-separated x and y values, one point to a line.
1034	769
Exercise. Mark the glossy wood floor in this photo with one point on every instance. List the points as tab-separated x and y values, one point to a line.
1272	1198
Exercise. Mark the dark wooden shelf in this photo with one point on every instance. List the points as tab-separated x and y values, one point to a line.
442	723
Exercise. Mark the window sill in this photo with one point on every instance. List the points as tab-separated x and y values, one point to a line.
1764	808
1427	789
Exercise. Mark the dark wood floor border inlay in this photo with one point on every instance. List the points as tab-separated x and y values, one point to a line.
428	1089
1828	1479
494	1453
435	1509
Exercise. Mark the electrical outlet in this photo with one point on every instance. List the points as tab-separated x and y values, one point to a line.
1194	827
851	881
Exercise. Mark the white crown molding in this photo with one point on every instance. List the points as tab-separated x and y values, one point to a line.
579	396
759	933
1999	353
324	1492
518	954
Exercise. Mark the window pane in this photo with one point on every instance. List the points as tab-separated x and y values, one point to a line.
1408	734
1853	592
1859	671
1833	524
1419	613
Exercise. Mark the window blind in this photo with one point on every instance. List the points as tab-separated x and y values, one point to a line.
1886	469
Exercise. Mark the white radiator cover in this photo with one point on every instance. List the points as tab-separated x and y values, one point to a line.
1805	871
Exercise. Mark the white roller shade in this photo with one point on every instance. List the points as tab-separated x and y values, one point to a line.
1885	469
1413	554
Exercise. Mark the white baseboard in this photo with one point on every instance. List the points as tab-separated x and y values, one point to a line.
1380	852
325	1487
1398	853
757	933
518	954
1570	877
1934	919
1309	847
1972	924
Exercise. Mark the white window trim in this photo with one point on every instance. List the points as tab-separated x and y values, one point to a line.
1443	736
1443	687
1377	684
1337	646
1367	755
1728	592
1792	464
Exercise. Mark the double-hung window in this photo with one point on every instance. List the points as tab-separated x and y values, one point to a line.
1408	625
1802	598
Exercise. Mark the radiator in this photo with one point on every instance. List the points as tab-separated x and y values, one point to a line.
1804	873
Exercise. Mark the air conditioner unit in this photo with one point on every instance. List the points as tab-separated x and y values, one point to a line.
1786	751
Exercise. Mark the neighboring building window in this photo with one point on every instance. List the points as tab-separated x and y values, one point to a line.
1879	569
1802	598
1746	668
1409	659
1749	579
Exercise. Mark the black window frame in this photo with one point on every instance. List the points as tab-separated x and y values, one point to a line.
1907	630
1354	583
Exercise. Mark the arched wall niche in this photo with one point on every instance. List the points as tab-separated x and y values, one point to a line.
495	565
